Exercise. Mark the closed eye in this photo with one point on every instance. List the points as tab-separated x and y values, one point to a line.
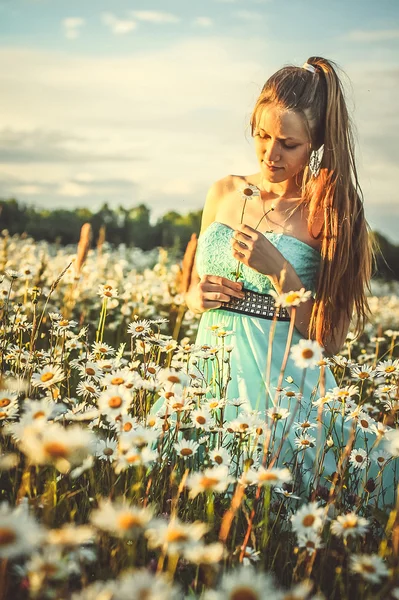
264	137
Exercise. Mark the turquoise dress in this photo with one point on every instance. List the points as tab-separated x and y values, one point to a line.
241	372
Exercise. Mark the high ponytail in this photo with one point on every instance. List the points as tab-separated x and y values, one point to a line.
347	246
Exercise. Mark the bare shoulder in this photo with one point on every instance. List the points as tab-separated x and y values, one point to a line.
215	198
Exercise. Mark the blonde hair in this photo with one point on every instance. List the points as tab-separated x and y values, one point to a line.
348	248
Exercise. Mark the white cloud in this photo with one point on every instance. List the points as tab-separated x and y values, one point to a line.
153	16
72	27
118	26
203	21
160	127
372	35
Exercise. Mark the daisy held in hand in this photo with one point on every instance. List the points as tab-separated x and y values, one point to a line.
249	191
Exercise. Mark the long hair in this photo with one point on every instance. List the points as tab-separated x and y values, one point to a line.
348	248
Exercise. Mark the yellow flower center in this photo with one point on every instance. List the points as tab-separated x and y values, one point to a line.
38	414
209	482
7	536
127	521
292	297
350	523
4	402
133	458
389	369
56	449
368	568
117	380
46	377
186	451
244	593
127	427
115	402
175	535
268	476
308	520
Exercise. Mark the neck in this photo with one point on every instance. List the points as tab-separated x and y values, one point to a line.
284	189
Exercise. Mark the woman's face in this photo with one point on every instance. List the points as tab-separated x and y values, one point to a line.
282	143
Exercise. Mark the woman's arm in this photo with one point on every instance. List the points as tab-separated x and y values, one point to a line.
211	291
292	282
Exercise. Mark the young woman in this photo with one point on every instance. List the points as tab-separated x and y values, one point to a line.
298	222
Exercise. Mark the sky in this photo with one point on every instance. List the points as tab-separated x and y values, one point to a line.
131	102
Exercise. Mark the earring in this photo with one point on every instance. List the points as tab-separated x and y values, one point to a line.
315	159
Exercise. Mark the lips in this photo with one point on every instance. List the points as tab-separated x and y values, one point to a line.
272	167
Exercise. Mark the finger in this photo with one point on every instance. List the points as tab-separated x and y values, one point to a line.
227	291
222	281
243	241
217	297
239	248
246	230
239	256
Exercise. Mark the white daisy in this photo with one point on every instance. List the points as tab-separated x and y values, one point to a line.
107	291
380	457
201	554
202	419
215	479
273	476
114	401
371	567
364	372
388	367
293	298
278	413
106	449
308	516
306	354
174	536
310	540
244	583
20	533
359	459
220	456
305	441
349	524
120	518
47	377
186	448
139	328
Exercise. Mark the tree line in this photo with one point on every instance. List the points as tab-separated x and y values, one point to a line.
132	226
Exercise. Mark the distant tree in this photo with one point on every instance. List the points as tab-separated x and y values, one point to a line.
132	226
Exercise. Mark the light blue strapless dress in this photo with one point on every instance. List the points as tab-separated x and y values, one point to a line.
248	363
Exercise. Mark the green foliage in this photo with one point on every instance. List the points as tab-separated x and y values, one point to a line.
130	226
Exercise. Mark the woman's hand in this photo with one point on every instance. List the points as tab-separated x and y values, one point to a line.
211	292
253	249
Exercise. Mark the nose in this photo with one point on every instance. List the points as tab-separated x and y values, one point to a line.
272	152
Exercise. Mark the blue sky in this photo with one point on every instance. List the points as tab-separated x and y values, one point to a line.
130	102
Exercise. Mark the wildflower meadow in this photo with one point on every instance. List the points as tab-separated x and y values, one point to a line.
121	478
